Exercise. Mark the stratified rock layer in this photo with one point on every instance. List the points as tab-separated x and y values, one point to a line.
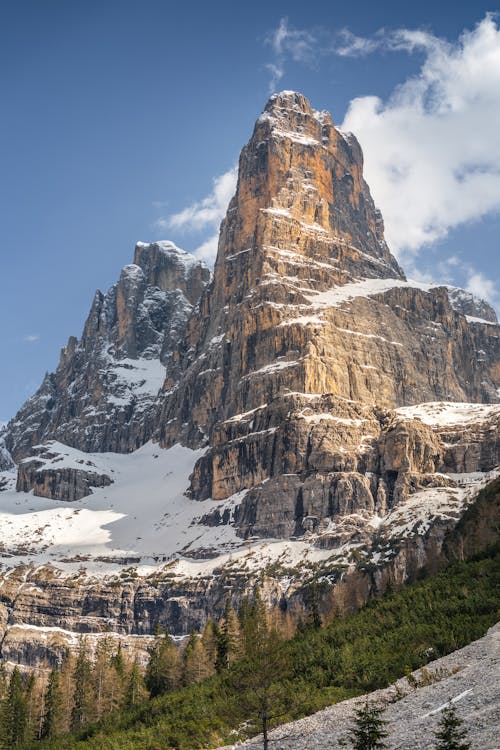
308	304
324	388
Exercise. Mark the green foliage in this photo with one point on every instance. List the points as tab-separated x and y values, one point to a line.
368	731
53	703
450	733
163	671
14	714
82	698
257	687
351	656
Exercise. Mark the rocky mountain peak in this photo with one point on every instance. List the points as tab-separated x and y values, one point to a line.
308	393
168	267
300	195
101	395
292	112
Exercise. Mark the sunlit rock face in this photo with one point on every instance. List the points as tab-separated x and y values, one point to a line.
307	301
330	412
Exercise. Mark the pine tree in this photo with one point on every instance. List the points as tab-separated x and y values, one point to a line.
32	698
53	707
368	731
253	623
135	690
118	661
258	687
195	663
66	673
163	669
104	677
82	711
14	714
450	733
209	640
227	638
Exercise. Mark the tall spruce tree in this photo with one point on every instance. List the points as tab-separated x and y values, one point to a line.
258	687
451	733
83	697
368	731
14	715
53	710
227	638
195	663
135	690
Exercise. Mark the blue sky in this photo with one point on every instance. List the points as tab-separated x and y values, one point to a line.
123	120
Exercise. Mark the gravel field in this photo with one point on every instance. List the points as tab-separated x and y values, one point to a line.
470	678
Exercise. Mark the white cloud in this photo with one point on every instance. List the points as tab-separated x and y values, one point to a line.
299	45
483	287
432	151
347	44
31	338
432	148
205	214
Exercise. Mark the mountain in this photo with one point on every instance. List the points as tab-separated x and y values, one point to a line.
305	411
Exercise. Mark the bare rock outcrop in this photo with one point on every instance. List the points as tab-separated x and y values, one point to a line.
102	395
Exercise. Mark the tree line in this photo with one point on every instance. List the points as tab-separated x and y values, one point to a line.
248	672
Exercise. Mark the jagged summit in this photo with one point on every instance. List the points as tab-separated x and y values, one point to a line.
307	393
102	396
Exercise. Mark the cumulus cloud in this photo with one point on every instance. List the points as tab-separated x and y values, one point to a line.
205	214
432	152
31	338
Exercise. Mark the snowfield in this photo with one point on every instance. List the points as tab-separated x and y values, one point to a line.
145	518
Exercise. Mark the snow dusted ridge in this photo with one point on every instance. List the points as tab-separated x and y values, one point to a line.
442	414
143	514
469	678
180	256
369	287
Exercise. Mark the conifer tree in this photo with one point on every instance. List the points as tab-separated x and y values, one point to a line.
163	669
450	733
258	684
368	731
135	690
195	663
83	698
104	677
33	701
52	723
253	623
66	673
118	661
227	638
14	714
209	640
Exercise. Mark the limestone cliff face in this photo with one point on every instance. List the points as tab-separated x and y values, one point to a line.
325	388
103	392
306	301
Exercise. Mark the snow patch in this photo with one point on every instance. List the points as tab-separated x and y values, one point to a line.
444	413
